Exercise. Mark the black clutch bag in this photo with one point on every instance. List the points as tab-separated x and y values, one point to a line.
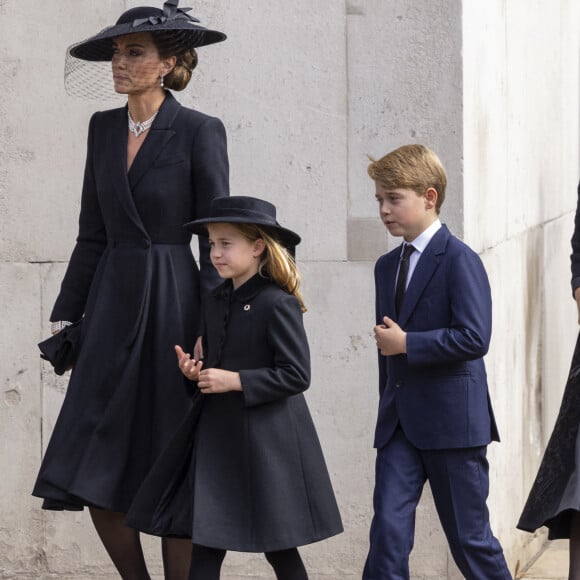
61	350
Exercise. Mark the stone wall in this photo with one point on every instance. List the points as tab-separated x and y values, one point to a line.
307	90
520	110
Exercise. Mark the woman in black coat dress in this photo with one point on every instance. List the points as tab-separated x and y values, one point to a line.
151	166
257	477
554	500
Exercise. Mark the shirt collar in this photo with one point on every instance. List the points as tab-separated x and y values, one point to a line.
423	239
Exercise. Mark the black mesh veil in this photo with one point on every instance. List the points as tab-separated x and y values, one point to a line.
87	71
88	80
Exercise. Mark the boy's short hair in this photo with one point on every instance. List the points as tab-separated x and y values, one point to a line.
414	167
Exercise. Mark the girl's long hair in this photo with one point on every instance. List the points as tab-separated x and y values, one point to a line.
277	263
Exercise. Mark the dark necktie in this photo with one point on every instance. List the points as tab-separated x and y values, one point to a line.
402	278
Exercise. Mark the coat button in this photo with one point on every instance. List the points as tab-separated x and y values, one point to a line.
397	385
247	307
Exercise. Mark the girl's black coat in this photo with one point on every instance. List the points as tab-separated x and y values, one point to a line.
134	279
258	481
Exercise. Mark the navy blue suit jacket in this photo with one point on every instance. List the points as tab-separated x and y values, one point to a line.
438	390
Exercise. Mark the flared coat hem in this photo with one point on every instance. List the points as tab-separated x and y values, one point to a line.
555	493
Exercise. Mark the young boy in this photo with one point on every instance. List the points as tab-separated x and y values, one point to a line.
433	308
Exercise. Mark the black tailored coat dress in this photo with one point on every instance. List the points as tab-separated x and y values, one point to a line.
555	493
134	281
256	480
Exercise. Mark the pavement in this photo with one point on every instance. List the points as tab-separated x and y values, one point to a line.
552	563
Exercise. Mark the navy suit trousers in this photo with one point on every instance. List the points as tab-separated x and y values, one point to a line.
459	482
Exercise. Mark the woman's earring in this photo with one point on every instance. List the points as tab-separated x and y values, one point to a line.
161	81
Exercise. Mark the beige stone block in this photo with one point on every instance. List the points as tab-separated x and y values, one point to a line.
513	368
542	178
416	94
20	418
53	386
514	180
560	316
343	400
367	239
42	146
279	84
485	116
526	370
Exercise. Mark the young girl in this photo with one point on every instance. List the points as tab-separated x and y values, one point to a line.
258	477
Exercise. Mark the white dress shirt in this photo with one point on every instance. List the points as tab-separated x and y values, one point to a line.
420	243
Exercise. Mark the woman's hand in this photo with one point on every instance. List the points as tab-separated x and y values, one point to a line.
577	297
189	367
218	381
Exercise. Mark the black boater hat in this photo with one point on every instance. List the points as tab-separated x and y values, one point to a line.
187	30
241	209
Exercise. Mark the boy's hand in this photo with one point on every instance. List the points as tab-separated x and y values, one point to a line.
218	381
189	367
390	337
577	297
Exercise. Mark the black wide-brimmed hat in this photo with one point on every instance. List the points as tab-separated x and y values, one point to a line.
187	30
241	209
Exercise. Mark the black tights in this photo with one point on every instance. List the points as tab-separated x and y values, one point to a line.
124	548
206	564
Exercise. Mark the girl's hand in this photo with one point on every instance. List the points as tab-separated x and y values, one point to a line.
218	381
189	367
198	349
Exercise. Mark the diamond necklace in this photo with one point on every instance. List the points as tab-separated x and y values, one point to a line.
138	128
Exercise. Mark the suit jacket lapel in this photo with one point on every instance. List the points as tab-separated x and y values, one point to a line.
426	266
388	288
159	135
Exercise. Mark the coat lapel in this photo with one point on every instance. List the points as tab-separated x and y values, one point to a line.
159	135
424	270
116	142
387	290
